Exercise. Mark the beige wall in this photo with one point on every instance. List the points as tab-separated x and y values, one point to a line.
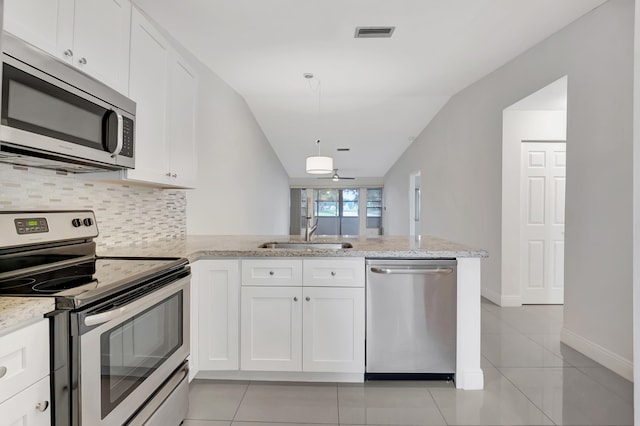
459	154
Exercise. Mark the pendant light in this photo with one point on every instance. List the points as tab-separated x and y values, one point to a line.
318	164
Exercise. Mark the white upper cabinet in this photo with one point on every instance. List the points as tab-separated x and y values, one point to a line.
148	80
93	35
164	87
101	36
181	111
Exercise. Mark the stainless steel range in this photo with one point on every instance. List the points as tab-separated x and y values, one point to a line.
120	332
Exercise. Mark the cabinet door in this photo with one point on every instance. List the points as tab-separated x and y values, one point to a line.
333	329
181	111
24	358
31	407
148	88
271	328
47	24
101	40
218	283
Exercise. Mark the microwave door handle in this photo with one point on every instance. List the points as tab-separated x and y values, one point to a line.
119	138
103	317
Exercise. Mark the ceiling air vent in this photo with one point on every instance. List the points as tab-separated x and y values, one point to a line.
374	32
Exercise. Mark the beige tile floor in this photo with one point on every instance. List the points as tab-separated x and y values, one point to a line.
530	379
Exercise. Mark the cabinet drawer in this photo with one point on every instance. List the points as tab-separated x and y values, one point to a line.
272	272
30	407
24	358
333	272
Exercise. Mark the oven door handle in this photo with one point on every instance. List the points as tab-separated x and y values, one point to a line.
103	317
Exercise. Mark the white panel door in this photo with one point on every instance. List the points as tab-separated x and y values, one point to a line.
333	329
47	24
218	302
148	81
101	40
271	328
542	222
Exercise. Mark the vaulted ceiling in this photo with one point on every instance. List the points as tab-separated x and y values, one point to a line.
375	95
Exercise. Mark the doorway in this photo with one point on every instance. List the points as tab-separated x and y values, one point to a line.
529	263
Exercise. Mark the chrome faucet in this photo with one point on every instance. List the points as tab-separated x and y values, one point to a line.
309	228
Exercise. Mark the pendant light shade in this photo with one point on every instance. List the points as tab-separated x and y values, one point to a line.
318	165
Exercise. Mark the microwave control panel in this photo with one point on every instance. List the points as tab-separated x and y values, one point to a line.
127	137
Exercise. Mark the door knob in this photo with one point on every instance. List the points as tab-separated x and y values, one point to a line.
68	53
307	298
82	61
3	371
295	299
333	273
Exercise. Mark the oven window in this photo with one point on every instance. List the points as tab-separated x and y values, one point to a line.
132	351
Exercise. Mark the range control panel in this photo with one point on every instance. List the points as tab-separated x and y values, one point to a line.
31	225
20	228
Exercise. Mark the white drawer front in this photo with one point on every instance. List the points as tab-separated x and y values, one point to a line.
24	358
30	407
334	272
272	272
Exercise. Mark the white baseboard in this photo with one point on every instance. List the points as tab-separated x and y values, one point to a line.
500	300
600	354
491	295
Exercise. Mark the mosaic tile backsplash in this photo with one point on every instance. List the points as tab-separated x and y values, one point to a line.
126	214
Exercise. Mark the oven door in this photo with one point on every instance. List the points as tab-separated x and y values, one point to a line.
129	351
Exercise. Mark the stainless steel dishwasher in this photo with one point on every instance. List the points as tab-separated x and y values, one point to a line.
411	319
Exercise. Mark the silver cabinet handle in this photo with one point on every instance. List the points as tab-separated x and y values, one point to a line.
82	61
168	174
42	406
175	175
3	371
389	271
295	299
68	53
307	298
333	273
272	273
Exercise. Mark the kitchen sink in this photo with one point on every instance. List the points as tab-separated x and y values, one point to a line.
306	245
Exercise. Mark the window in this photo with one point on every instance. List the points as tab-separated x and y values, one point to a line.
374	208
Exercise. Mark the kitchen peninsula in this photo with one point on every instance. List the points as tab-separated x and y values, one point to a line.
232	251
237	248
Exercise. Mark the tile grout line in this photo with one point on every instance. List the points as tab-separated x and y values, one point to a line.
235	413
438	407
520	390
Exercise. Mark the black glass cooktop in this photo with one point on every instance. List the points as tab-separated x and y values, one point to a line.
90	277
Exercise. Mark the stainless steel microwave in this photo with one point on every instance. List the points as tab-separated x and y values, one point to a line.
54	116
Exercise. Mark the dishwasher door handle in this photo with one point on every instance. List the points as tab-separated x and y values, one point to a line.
427	271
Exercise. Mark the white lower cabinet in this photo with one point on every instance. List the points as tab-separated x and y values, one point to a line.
300	328
29	407
271	328
243	327
217	304
333	329
24	376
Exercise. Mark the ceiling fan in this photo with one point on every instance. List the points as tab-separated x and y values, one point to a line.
336	177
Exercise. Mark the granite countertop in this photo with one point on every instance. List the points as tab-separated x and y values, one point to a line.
195	247
18	311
